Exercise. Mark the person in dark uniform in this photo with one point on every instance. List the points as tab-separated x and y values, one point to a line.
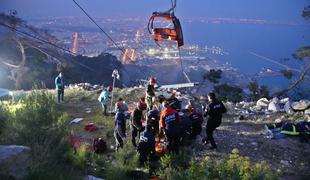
146	146
153	120
214	112
136	120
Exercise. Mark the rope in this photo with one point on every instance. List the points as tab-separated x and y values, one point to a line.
105	33
46	42
182	68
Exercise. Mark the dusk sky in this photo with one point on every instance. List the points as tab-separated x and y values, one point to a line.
274	10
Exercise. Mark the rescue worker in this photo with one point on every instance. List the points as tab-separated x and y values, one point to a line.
214	112
153	120
196	123
121	106
161	99
104	98
136	121
150	93
146	147
185	126
120	125
174	103
60	87
170	126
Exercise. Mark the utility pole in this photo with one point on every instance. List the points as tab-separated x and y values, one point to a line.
116	75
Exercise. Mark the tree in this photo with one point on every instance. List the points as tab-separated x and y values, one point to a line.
227	92
257	91
303	55
213	75
306	12
287	73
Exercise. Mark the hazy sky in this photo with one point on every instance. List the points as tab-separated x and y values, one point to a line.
275	10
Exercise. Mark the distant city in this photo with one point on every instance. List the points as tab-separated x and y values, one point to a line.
83	38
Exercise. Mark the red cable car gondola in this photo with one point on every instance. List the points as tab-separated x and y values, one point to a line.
166	34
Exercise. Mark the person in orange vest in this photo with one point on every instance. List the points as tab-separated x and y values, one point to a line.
170	125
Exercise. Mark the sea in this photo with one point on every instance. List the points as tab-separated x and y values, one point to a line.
251	48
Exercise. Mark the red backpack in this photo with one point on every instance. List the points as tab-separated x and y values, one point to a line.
99	145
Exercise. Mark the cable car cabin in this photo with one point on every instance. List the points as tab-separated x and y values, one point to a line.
166	34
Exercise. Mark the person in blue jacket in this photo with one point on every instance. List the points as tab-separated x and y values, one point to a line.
60	87
104	98
120	129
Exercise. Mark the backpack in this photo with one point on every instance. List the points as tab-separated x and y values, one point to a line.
99	145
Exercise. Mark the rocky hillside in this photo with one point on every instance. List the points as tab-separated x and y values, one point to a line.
26	61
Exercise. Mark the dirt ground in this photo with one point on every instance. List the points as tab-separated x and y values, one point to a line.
290	157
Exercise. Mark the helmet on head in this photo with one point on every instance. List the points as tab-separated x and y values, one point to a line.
110	88
152	80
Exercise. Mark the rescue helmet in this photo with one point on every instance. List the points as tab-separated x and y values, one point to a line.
152	81
110	88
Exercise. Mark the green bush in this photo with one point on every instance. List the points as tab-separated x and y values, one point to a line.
3	117
36	121
234	167
125	163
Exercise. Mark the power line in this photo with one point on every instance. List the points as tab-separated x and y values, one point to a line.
46	42
34	37
109	37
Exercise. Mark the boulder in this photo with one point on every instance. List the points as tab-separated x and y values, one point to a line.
284	100
14	161
273	107
301	105
262	103
307	111
287	107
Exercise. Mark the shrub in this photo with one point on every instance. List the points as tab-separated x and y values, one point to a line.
228	93
234	167
213	75
36	121
126	161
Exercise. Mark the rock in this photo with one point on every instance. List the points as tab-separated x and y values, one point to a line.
301	105
285	100
262	103
273	107
277	121
236	121
307	111
14	161
285	163
275	100
254	143
287	107
90	177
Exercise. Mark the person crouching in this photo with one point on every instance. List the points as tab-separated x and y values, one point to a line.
170	126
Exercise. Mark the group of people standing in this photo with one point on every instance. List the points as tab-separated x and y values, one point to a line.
157	118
